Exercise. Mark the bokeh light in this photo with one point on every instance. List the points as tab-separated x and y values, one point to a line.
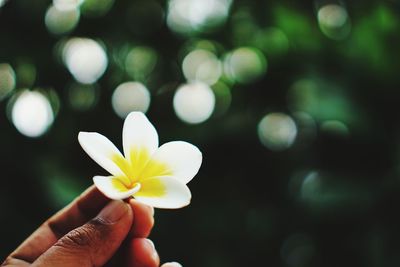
83	97
140	62
311	188
59	21
272	40
190	16
201	44
245	64
321	99
85	59
194	102
66	5
331	192
96	8
334	21
3	2
7	80
32	113
335	127
130	96
203	66
277	131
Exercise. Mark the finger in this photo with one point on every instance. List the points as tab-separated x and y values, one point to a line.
141	253
144	219
95	242
83	208
171	264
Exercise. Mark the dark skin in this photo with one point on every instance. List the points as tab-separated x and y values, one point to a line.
92	231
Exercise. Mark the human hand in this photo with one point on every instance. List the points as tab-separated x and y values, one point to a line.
75	236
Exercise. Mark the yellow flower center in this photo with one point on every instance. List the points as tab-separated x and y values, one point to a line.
138	168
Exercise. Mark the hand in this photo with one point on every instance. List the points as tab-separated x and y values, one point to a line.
117	236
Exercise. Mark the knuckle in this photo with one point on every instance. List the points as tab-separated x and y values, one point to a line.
85	236
78	237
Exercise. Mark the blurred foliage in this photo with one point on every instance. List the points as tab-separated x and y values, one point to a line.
299	129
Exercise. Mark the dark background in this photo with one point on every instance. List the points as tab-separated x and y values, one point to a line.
329	199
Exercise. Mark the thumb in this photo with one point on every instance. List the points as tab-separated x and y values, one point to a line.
94	243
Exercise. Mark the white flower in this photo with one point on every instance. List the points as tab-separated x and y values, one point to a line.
156	176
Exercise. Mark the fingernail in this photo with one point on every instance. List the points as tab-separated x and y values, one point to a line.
154	254
152	211
113	212
151	244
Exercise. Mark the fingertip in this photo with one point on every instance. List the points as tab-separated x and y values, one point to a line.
144	219
142	253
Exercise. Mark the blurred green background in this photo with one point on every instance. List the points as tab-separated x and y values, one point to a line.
294	105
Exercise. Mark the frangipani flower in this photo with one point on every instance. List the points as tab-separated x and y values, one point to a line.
156	176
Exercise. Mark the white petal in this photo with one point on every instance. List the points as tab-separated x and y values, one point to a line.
164	192
138	134
183	159
106	186
172	264
101	150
